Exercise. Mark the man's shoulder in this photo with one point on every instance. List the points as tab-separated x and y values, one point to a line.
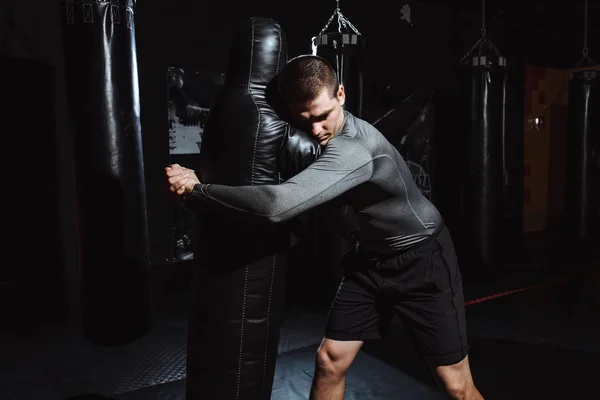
349	147
366	136
359	123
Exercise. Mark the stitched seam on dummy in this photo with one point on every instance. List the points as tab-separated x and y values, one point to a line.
268	329
239	375
257	109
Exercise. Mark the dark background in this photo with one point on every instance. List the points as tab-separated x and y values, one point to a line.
197	34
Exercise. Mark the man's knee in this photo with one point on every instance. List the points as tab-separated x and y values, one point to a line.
458	389
335	357
457	380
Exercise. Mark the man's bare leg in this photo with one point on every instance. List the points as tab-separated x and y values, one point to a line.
457	381
333	360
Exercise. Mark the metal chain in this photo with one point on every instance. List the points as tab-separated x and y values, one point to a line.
327	24
585	60
483	30
483	40
346	21
339	14
342	21
585	50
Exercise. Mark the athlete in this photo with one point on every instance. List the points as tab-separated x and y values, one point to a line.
404	262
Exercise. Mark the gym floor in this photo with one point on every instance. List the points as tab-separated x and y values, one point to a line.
534	334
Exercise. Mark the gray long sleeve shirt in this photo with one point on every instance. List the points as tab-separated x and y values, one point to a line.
358	163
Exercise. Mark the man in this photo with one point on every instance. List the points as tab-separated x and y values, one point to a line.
404	262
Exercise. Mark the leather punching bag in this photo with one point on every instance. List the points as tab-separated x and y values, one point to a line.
482	201
345	52
239	273
582	186
103	101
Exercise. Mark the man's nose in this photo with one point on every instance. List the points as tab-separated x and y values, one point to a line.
317	128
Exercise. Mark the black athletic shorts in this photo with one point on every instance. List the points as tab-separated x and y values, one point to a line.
422	286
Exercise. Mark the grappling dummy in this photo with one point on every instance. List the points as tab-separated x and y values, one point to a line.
239	276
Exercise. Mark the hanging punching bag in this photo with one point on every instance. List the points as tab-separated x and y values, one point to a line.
103	100
482	201
345	53
582	156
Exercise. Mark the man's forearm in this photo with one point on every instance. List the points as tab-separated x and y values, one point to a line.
251	203
335	172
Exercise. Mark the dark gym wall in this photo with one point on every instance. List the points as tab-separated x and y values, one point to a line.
31	31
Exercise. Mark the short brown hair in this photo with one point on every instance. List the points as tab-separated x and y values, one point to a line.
304	77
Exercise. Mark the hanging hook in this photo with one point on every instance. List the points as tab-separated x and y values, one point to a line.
341	20
585	60
483	40
483	29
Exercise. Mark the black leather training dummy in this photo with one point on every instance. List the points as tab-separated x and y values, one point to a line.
239	275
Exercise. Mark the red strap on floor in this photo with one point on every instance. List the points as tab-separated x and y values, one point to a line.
502	294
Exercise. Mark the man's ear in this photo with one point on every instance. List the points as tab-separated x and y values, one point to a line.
341	95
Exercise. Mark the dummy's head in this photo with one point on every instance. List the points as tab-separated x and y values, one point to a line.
257	54
314	98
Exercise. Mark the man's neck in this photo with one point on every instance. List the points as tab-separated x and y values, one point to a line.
339	126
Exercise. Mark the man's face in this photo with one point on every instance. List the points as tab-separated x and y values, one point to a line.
322	117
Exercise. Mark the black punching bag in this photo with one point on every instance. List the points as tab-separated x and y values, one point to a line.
345	52
483	194
239	271
103	100
583	156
